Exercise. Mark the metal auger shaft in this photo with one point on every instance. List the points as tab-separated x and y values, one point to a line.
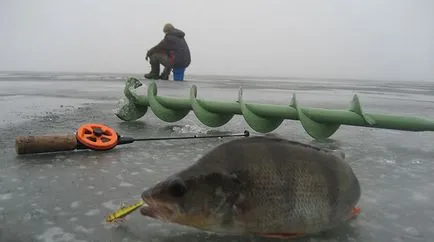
318	122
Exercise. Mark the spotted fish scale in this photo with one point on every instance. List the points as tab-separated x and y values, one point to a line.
295	191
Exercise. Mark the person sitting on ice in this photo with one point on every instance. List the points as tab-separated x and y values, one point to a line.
171	52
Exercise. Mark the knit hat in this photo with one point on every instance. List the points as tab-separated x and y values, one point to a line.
167	27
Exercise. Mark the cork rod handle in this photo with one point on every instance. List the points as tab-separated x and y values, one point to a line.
45	143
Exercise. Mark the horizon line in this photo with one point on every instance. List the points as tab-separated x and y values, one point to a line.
216	75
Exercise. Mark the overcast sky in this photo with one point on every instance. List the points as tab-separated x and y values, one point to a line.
368	39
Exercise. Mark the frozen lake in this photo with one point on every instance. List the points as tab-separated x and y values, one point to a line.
65	196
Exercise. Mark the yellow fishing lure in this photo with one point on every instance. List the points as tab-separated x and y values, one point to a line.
123	211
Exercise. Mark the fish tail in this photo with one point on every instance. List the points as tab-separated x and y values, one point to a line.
355	212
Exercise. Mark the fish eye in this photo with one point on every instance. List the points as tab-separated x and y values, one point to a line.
177	188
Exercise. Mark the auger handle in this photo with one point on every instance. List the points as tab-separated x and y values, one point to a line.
45	143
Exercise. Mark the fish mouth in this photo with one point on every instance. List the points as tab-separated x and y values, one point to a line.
172	213
158	210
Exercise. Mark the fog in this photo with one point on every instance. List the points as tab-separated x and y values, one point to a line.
369	39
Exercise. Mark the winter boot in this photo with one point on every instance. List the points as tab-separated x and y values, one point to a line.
155	71
165	74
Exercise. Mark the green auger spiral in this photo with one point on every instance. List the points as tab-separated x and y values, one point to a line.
319	123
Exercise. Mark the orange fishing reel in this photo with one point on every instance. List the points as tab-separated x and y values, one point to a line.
97	136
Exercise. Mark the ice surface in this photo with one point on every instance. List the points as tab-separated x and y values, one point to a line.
65	196
5	196
56	234
111	205
196	129
84	230
92	212
125	184
75	204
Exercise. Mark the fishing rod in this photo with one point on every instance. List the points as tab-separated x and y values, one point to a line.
98	137
124	140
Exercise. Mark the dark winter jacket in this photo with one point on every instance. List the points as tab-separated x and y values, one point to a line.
175	46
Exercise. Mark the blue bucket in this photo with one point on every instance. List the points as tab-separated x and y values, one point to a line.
178	74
